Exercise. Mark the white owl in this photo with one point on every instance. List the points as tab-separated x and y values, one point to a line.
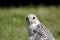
37	30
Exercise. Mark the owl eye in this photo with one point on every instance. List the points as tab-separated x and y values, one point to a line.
33	17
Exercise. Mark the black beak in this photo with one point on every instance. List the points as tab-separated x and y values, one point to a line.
27	18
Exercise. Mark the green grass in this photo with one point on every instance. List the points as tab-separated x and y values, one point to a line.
13	23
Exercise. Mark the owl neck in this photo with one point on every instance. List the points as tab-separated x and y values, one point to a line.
37	22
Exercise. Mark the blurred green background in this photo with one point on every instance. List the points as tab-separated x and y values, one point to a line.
13	23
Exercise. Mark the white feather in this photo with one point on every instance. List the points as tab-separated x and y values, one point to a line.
32	25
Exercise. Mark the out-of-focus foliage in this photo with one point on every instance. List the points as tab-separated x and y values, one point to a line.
13	23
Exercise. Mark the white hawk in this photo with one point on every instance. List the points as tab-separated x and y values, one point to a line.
37	30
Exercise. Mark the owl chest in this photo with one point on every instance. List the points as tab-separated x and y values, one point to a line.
31	29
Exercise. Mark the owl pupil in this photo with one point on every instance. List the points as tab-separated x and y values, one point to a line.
33	17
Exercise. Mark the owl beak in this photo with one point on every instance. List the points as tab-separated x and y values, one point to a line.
27	18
